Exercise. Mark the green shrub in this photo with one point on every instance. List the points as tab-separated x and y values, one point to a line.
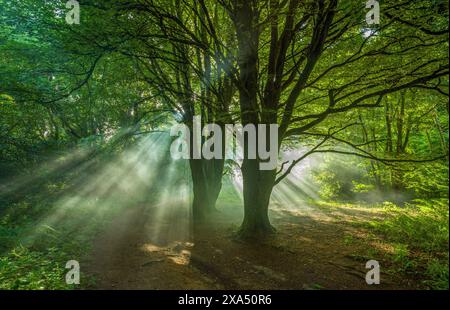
419	233
22	268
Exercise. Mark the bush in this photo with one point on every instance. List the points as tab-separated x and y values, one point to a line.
23	268
419	233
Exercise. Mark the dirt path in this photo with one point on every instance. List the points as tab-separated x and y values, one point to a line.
147	249
127	256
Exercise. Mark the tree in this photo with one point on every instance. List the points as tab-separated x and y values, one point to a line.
315	68
305	65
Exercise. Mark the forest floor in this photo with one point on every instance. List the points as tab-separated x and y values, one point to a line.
314	248
131	229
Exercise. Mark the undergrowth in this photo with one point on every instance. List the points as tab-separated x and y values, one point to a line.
34	248
419	236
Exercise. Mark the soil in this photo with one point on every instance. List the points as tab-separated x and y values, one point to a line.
144	248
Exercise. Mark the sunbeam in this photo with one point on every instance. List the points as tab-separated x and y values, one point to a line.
142	177
294	192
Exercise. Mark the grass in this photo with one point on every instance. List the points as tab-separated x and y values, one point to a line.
412	240
23	268
33	254
418	234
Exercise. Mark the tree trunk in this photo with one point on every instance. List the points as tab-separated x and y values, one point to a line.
206	183
388	117
258	185
444	146
397	174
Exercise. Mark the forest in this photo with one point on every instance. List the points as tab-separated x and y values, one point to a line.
91	196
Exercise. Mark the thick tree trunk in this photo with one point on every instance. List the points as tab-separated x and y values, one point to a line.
206	183
258	185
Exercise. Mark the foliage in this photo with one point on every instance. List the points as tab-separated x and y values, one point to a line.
376	96
419	234
23	268
33	253
329	185
428	180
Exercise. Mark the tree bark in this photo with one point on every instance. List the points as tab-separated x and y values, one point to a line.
258	185
206	183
